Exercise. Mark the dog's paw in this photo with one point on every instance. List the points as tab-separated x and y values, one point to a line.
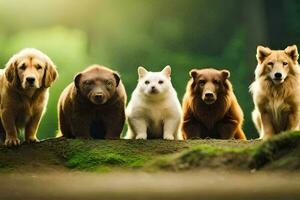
9	142
169	137
141	137
31	140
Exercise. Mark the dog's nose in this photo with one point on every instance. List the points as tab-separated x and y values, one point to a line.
278	75
209	95
30	80
99	97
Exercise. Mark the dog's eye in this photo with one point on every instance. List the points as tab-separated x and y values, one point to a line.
284	63
38	67
22	67
147	82
202	82
160	81
87	82
270	64
108	83
216	82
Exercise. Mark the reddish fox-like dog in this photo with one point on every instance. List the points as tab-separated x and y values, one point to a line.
276	91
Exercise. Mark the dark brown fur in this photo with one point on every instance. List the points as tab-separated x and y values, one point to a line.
221	119
82	116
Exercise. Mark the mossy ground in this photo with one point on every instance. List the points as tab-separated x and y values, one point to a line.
281	152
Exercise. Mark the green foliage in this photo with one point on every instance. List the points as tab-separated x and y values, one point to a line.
67	48
126	34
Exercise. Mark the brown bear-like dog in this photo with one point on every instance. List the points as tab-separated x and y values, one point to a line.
210	108
93	106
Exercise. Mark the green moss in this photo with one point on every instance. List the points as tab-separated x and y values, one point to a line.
200	155
280	152
279	147
103	155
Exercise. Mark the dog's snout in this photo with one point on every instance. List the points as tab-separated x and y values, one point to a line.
209	95
30	80
278	75
99	97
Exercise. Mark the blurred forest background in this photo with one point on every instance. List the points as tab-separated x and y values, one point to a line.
124	34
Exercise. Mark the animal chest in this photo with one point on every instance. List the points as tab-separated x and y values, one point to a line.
24	114
279	109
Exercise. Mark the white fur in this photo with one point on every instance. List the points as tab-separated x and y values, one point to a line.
159	113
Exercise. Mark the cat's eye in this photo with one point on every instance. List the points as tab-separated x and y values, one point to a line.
160	81
147	82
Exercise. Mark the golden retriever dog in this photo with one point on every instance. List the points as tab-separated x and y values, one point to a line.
276	91
24	94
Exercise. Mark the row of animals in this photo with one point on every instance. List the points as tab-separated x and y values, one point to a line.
93	105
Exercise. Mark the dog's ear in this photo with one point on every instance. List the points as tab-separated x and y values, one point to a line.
262	53
225	74
50	73
142	72
10	69
193	73
292	52
77	80
167	71
117	77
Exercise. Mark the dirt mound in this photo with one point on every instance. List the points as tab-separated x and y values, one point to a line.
281	152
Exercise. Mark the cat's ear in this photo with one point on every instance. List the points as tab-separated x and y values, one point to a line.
167	71
142	71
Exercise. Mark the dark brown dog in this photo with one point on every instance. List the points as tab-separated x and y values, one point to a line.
24	94
93	106
210	108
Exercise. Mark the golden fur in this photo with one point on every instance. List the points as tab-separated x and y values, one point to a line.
277	101
24	87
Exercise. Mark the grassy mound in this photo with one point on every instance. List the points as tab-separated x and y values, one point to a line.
281	152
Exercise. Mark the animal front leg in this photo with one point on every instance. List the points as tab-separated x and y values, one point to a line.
31	129
226	129
114	127
293	122
9	126
139	127
267	127
171	128
80	127
193	129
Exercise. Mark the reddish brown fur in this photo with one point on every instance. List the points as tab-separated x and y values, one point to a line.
80	117
222	119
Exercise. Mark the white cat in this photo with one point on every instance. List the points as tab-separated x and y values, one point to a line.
154	110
